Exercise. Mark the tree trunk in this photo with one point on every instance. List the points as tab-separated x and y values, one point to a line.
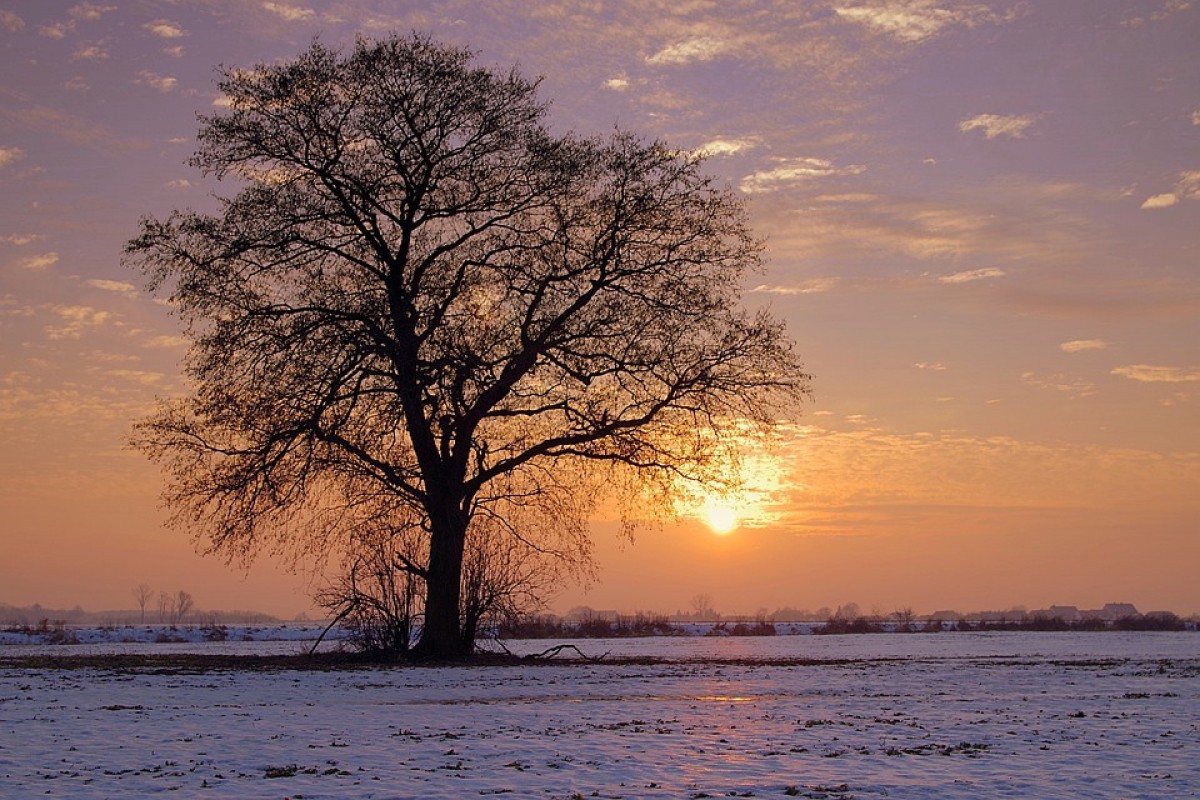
441	633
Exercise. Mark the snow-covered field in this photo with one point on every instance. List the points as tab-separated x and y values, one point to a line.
1001	715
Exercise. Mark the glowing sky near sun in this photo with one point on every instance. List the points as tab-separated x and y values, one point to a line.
983	227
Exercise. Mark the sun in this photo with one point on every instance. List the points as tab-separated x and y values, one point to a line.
721	517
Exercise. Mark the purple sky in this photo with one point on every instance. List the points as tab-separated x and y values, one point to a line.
983	223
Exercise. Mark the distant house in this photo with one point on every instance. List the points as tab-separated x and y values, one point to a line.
1116	611
1012	615
1111	612
1064	613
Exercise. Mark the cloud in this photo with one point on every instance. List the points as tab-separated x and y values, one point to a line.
10	155
54	122
1186	188
1077	387
55	31
89	11
290	12
91	52
1002	221
1160	201
20	239
701	48
77	319
972	275
180	183
166	342
136	376
1196	117
814	286
1079	345
617	84
164	29
164	83
1145	373
935	366
727	147
119	287
793	171
11	21
847	197
1168	9
914	20
994	125
39	262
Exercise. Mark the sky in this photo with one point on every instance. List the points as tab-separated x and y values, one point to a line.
983	232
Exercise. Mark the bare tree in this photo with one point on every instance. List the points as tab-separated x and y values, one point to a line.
421	298
182	606
378	590
142	594
166	607
702	607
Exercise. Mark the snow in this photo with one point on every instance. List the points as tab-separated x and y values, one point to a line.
999	715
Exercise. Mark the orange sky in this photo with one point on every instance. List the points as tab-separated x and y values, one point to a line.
982	231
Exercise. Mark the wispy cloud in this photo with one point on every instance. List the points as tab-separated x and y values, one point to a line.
89	12
76	320
1160	201
814	286
164	29
289	12
700	48
935	366
727	147
39	262
20	239
118	287
1003	221
96	51
994	125
163	83
138	376
1079	345
914	20
166	342
1146	373
11	22
1166	10
55	122
1186	188
1068	384
972	275
57	30
10	155
794	171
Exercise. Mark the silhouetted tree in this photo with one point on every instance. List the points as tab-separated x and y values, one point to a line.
166	605
702	608
182	605
142	594
422	301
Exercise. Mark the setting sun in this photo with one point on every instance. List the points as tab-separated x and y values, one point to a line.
721	517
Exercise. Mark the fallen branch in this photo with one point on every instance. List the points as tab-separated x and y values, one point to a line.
546	655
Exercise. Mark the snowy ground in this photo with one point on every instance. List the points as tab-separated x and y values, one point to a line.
898	716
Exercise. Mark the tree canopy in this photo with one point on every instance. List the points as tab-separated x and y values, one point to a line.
422	306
